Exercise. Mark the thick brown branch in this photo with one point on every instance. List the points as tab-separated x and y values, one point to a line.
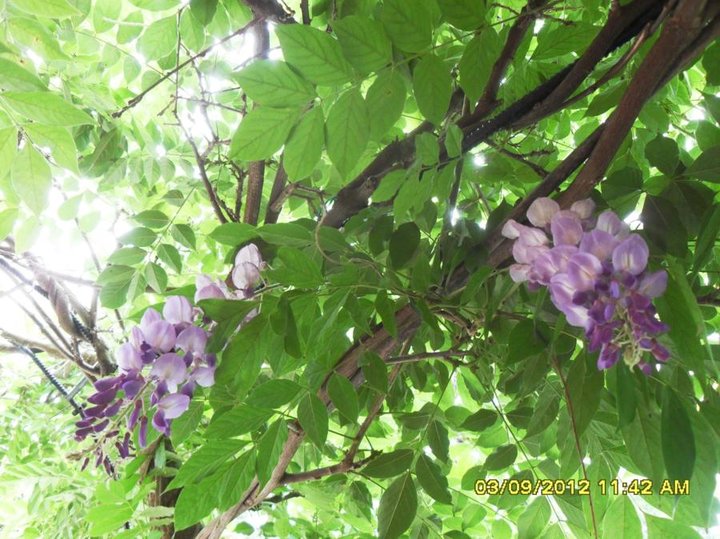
319	473
272	212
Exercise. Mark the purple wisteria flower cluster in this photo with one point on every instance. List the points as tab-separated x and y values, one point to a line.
163	363
596	272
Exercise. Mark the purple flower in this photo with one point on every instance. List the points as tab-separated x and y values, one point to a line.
142	433
541	211
204	376
192	340
582	270
128	358
173	405
609	355
654	284
248	264
528	235
566	228
160	335
206	288
169	368
527	254
598	243
177	310
519	272
631	255
609	222
583	208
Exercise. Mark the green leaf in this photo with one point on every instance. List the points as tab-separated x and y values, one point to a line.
184	235
303	150
437	436
236	480
463	14
480	420
679	309
31	178
621	520
186	424
706	166
534	519
140	237
7	221
170	256
17	78
626	397
240	420
662	527
663	226
432	85
562	40
46	108
203	10
151	218
233	234
63	151
389	464
678	440
432	480
269	448
524	341
273	393
501	458
298	269
262	132
546	412
347	131
408	23
404	243
159	39
709	232
363	42
156	277
313	418
386	309
625	182
290	234
8	149
51	9
127	256
275	84
315	54
385	102
343	396
663	154
108	518
205	460
397	509
195	502
131	27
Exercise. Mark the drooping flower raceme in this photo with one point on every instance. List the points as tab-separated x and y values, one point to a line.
596	272
163	363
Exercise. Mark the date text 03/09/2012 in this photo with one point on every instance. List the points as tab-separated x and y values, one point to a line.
551	487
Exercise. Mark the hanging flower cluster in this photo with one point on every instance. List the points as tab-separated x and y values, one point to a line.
163	363
596	272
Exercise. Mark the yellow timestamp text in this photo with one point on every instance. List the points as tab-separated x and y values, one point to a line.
582	487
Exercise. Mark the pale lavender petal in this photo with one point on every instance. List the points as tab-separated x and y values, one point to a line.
159	423
584	208
249	254
578	316
245	275
542	210
171	369
160	335
193	340
598	243
128	358
519	272
631	255
212	291
173	406
609	222
137	337
151	316
566	228
177	310
204	376
583	270
511	229
561	291
654	284
525	254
